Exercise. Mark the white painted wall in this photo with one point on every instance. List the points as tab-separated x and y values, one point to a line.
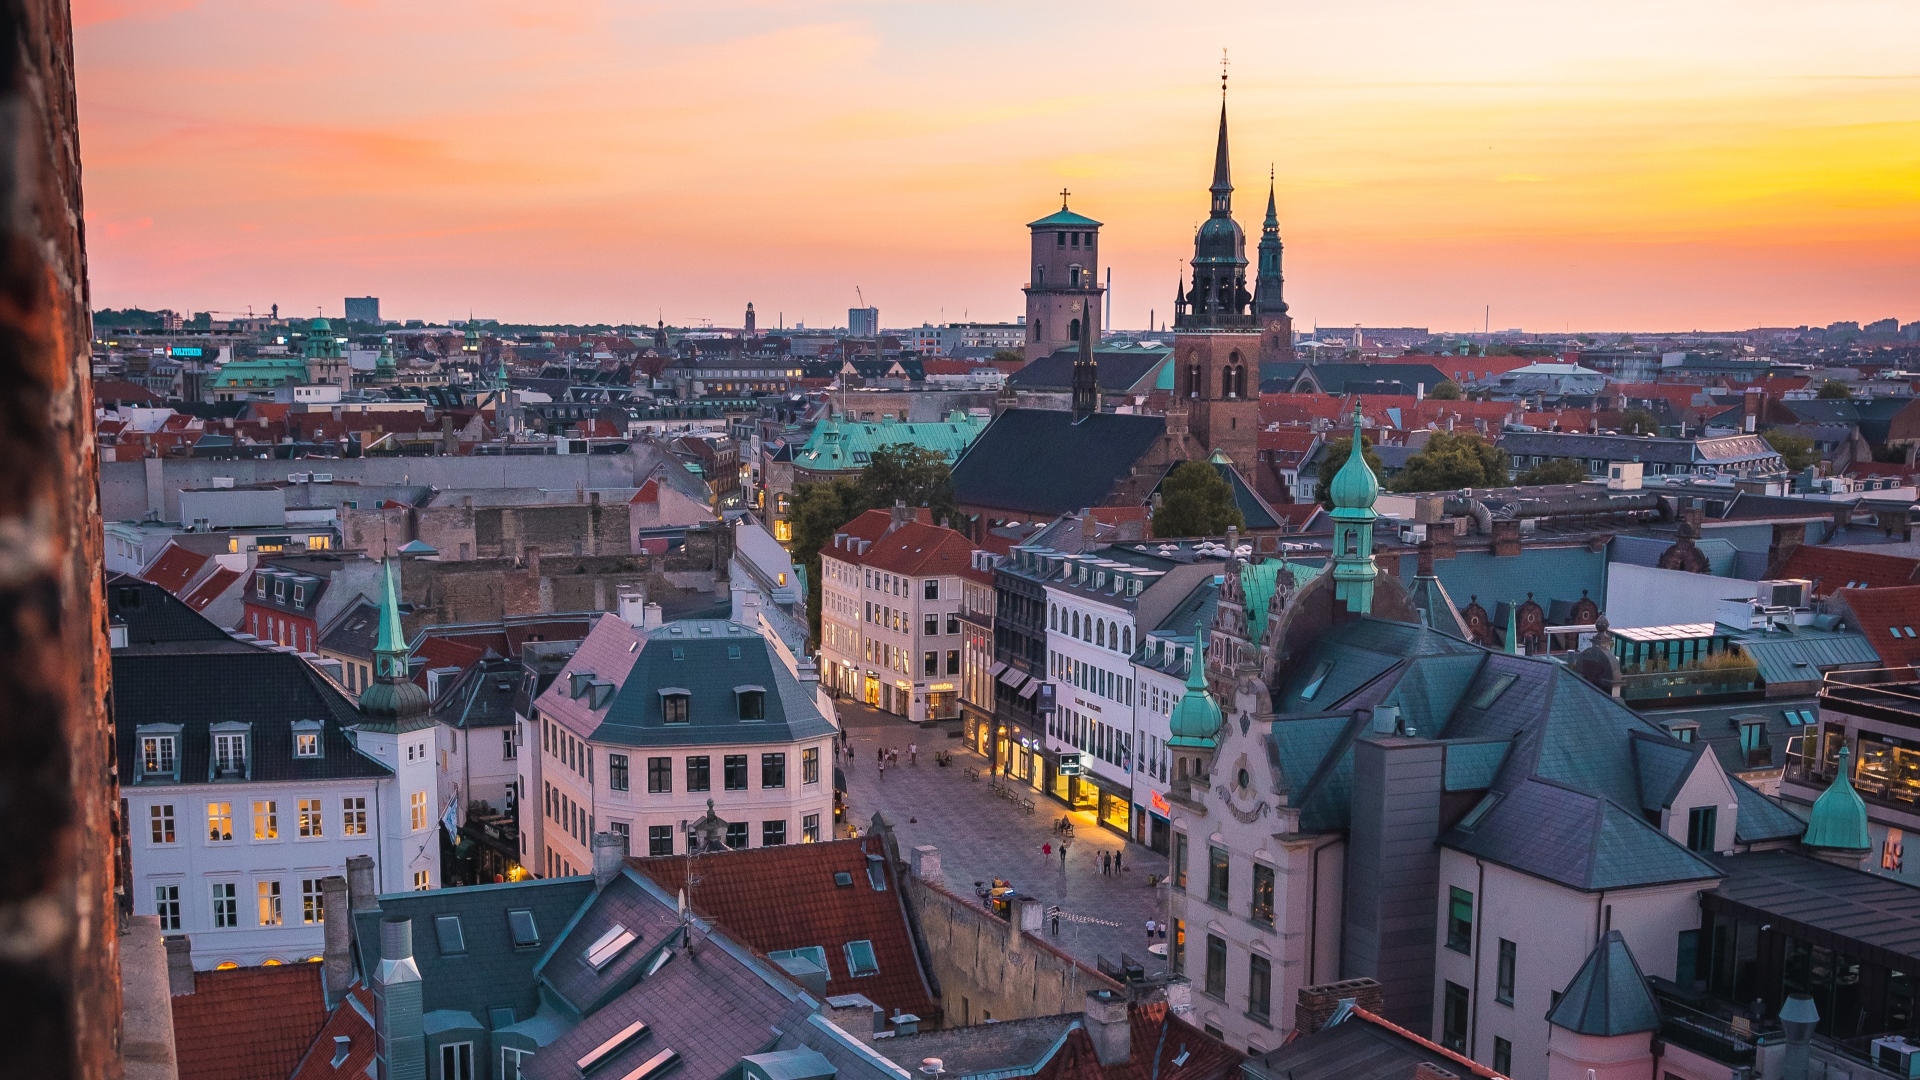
1649	596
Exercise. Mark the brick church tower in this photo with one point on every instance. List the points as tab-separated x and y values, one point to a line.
1064	295
1218	335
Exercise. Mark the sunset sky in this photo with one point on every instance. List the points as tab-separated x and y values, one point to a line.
1633	165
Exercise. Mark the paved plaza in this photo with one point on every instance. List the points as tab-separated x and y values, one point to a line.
982	836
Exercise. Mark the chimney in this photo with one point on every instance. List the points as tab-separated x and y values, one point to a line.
1109	1027
901	515
1024	919
399	1036
532	560
337	918
1317	1004
926	863
1897	524
1441	535
1842	517
361	892
631	602
1750	408
856	1015
608	854
1423	561
653	616
1798	1015
1506	537
1787	536
179	965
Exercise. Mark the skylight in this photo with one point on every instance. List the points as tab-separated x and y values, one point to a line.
860	959
609	945
619	1041
1320	674
842	878
1493	691
1479	812
447	929
525	933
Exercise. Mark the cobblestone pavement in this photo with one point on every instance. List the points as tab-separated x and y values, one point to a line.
982	836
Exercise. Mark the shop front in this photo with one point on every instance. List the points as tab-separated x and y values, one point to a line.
943	701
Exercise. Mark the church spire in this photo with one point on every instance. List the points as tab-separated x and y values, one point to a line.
1268	291
1222	172
392	698
1086	374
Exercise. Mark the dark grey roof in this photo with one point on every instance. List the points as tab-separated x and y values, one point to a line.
152	614
1394	379
1747	506
354	632
1817	899
1039	461
491	972
1608	995
484	696
1354	1049
1579	840
1720	727
1121	370
711	659
1556	444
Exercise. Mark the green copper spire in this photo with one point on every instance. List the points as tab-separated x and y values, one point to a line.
1354	490
392	698
385	367
1839	818
1197	717
391	650
1513	628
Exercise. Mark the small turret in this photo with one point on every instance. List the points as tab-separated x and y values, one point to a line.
1837	827
392	697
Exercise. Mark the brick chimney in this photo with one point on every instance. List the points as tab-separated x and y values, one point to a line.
1506	536
179	965
361	891
1897	524
1423	561
1787	536
1316	1004
337	927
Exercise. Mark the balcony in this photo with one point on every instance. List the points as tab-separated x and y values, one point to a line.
1689	683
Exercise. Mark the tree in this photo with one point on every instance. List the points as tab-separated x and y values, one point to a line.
910	474
1639	422
1195	500
1447	391
1833	391
818	511
1555	471
1453	460
1007	356
1796	450
1338	451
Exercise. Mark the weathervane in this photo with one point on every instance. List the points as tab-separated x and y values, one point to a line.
1223	74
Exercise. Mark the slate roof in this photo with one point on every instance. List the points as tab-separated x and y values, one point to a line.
1362	1047
352	1020
1608	995
1720	727
1819	896
1721	450
248	1023
154	615
354	631
490	972
1548	572
1582	841
1804	653
711	659
483	696
1120	370
785	897
1039	461
1395	379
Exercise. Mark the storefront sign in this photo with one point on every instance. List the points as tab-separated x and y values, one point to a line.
1069	764
1160	804
1046	698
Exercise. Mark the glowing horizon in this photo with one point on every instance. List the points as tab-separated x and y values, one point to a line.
1595	167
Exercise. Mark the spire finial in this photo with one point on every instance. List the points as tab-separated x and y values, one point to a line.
1063	198
1223	75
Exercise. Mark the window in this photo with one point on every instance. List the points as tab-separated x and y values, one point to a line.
1259	987
735	766
1493	690
1502	1056
266	820
520	924
267	893
306	744
456	1061
313	902
230	753
1503	975
1216	985
219	821
773	770
933	588
810	765
447	930
673	708
417	810
156	754
1453	1019
860	959
1319	679
1262	910
810	829
953	622
1460	920
773	833
699	773
309	817
953	661
736	834
659	840
659	775
161	818
752	702
1217	876
226	905
933	625
1702	827
422	881
932	663
617	774
166	904
508	748
353	815
1180	860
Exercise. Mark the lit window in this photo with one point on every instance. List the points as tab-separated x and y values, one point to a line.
268	895
810	765
306	744
266	820
219	821
309	817
156	754
810	829
417	810
422	881
353	816
313	902
161	818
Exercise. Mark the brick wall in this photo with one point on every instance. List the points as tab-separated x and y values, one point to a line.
981	969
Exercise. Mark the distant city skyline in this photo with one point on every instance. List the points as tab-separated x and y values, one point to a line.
1600	167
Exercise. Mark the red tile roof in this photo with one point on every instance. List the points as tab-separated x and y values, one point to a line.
1207	1058
1831	569
1889	618
248	1023
785	898
356	1027
211	588
175	568
649	492
914	548
439	652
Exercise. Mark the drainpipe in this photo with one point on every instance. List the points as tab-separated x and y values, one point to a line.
1479	957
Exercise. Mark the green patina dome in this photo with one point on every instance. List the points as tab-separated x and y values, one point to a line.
320	324
1839	820
1354	487
1197	717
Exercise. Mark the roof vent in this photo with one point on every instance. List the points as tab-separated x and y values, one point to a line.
342	1046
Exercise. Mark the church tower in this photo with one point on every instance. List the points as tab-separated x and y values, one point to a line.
749	322
1217	336
1353	491
1269	300
1064	294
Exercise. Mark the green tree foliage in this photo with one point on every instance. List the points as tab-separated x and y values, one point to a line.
1446	391
1834	391
898	473
1555	471
1338	451
1452	460
1796	450
910	474
1007	356
1639	422
1195	500
818	511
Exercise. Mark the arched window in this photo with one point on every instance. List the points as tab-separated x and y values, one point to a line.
1086	629
1053	617
1073	330
1100	633
1193	380
1039	276
1076	624
1226	382
1036	329
1128	637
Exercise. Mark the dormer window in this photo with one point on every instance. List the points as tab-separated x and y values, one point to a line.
306	739
676	704
300	597
157	755
752	701
230	754
260	585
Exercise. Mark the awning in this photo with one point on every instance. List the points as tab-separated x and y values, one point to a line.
1013	676
994	671
1031	689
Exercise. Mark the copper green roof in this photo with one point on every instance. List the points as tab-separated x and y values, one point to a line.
264	371
1065	218
1839	820
1197	717
841	445
1354	487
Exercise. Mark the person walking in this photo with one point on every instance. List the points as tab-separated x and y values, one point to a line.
883	768
1063	857
1116	859
1149	930
1046	850
913	753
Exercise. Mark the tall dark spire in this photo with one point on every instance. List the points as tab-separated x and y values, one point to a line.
1268	298
1086	377
1222	172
